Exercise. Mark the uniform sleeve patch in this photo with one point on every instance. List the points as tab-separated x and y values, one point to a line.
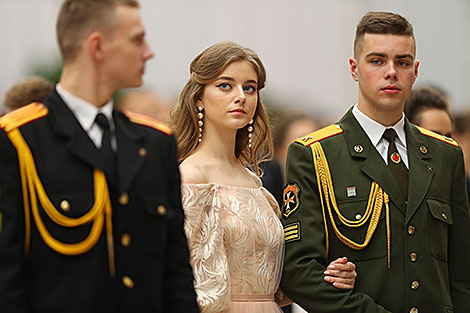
291	199
292	232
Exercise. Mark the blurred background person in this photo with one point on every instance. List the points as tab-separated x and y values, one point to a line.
462	136
286	126
26	91
427	107
145	102
289	127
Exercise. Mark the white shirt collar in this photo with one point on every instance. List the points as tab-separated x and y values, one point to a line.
84	111
375	130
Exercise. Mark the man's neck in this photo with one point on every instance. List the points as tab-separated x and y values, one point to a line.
385	118
85	85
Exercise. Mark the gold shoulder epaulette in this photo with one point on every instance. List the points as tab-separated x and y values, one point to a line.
434	135
320	134
23	116
147	121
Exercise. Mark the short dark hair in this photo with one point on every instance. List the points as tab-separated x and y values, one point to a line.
31	89
381	23
423	99
78	18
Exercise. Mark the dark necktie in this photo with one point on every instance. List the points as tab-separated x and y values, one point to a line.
395	162
107	153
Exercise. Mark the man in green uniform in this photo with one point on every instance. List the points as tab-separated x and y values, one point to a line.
386	194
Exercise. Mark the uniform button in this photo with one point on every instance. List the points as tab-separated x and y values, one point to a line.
414	310
127	282
413	257
411	230
126	240
415	285
444	216
161	210
65	205
142	152
358	216
406	202
124	198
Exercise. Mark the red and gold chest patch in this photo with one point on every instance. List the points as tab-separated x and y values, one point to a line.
291	199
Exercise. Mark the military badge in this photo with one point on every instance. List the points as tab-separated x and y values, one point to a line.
395	157
351	191
291	198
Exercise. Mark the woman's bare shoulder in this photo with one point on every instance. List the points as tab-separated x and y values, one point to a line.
192	172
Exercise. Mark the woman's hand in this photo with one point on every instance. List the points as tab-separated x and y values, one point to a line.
341	273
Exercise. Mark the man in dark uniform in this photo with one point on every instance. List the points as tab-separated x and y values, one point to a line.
380	191
90	209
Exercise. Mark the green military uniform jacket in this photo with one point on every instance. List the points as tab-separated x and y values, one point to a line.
429	234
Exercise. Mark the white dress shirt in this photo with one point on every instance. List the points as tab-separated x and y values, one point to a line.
375	131
85	112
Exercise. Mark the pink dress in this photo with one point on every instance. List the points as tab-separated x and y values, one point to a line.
236	244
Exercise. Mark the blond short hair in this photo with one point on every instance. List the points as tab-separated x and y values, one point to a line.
79	18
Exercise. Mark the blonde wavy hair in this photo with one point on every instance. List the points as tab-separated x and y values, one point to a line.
204	69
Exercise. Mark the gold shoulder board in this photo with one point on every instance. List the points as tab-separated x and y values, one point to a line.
320	134
434	135
23	116
147	121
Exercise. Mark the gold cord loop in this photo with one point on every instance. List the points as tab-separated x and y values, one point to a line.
96	215
377	198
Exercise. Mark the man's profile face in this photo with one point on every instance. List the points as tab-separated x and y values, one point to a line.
385	69
126	50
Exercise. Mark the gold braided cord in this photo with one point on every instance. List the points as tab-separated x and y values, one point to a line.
327	195
27	218
319	165
389	234
96	215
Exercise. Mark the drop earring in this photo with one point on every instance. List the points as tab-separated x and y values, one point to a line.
250	133
200	121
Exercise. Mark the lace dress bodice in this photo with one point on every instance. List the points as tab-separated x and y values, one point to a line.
236	247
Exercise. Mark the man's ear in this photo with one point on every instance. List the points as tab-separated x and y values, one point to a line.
416	71
353	69
95	43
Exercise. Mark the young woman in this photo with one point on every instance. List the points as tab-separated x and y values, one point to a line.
232	222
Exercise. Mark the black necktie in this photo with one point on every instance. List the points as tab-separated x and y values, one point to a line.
108	155
395	162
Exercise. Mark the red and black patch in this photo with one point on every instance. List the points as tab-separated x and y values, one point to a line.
291	199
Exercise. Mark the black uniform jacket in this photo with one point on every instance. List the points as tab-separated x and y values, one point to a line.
150	249
430	233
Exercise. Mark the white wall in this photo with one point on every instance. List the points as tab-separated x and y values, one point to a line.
305	44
